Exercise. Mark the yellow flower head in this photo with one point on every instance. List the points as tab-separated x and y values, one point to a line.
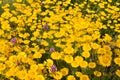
97	73
75	64
78	74
92	65
71	77
21	74
68	58
39	77
55	55
37	55
105	60
57	75
117	61
78	59
2	66
117	73
86	47
69	50
84	77
83	64
64	71
86	54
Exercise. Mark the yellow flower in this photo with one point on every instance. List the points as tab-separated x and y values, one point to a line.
64	71
45	43
101	5
26	41
97	73
12	79
101	51
92	65
118	43
9	63
71	77
56	55
28	77
75	64
12	72
105	60
18	0
86	47
68	58
117	61
95	45
69	50
49	62
78	59
83	64
1	32
21	55
78	74
106	47
32	73
0	2
2	66
39	77
6	15
13	19
13	58
86	54
40	68
21	74
117	52
57	75
110	1
37	55
84	77
3	58
36	33
5	25
107	38
117	72
34	67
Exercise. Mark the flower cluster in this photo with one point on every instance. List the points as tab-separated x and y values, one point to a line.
59	39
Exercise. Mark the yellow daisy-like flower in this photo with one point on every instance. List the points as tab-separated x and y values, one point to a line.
37	55
69	50
21	74
56	55
105	60
34	66
84	77
2	66
78	59
57	75
71	77
39	77
49	62
86	47
117	61
68	58
18	0
78	74
86	54
64	71
83	64
75	64
95	45
92	65
97	73
117	72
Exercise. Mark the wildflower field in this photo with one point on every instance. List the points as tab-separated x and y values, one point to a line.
59	39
